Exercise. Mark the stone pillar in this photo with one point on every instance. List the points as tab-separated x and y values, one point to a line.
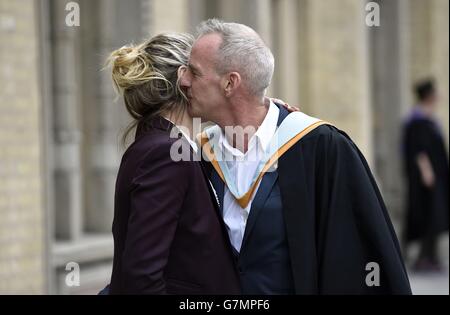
104	116
197	12
98	157
285	43
337	79
389	98
66	125
440	59
420	43
245	12
170	15
428	50
257	14
22	207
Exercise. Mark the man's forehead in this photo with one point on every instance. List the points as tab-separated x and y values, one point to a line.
207	45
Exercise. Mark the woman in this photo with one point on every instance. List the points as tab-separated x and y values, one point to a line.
168	234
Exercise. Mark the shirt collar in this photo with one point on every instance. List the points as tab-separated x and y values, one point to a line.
263	134
268	127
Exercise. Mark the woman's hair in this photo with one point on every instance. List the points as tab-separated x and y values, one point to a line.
146	75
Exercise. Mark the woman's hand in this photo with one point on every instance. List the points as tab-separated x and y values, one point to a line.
284	104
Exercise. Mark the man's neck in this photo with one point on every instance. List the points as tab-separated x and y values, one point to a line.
244	121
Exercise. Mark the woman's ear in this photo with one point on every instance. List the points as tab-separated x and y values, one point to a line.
181	70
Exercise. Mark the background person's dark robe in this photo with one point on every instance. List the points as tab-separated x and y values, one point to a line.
427	208
335	217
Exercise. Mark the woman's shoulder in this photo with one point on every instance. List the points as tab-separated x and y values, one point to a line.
156	144
153	155
162	147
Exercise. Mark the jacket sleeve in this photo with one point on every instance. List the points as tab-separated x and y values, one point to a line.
159	187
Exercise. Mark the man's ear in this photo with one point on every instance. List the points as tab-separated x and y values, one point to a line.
231	83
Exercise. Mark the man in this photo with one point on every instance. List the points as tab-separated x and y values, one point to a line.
426	167
303	211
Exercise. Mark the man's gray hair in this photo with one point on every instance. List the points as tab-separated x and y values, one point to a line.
242	50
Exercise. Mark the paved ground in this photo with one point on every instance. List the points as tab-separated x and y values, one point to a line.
431	283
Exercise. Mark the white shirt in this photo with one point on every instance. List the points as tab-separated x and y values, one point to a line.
243	168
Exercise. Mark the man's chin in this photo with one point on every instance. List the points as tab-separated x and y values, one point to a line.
193	112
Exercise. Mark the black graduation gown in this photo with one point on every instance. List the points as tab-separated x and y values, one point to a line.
427	208
336	221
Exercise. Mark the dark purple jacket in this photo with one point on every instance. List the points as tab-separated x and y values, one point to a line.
168	235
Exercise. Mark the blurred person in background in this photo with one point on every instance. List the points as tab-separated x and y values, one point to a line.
426	168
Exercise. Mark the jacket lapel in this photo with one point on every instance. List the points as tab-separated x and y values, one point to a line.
264	190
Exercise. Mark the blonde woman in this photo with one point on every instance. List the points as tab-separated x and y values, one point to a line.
169	237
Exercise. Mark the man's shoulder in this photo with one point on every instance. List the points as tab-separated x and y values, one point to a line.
326	134
325	139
